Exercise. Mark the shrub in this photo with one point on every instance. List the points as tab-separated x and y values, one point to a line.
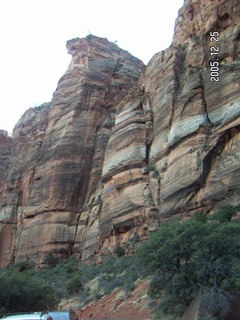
108	265
237	192
134	240
155	174
199	216
225	213
122	263
119	251
74	285
21	292
149	168
89	272
129	278
215	301
2	311
50	260
108	285
24	265
231	66
196	38
183	257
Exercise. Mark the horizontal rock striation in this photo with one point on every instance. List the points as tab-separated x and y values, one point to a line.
122	148
58	150
175	145
196	120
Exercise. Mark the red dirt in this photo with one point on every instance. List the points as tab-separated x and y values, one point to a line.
118	305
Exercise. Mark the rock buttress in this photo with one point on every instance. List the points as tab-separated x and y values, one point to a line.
175	145
58	150
8	222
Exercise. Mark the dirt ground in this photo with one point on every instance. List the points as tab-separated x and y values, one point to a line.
118	305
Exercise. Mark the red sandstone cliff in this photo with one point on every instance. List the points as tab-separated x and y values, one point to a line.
58	151
113	155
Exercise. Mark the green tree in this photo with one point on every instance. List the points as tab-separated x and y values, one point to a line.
2	311
155	174
74	285
119	251
185	256
20	292
50	260
225	213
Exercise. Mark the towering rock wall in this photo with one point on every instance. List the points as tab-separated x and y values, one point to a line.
58	151
7	227
174	148
113	155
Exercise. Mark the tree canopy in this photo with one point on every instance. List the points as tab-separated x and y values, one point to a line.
21	291
183	257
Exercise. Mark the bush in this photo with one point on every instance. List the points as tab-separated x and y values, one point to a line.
149	168
225	213
196	38
155	174
2	311
50	260
119	251
134	240
215	301
21	292
129	279
74	285
108	285
89	272
24	265
183	257
199	216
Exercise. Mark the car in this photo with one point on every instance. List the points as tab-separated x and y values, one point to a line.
50	315
28	316
63	315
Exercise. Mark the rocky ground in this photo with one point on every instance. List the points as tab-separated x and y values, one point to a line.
116	305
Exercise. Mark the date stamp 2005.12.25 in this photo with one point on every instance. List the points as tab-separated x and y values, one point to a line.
214	53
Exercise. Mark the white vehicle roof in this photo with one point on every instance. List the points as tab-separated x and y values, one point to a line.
60	315
27	316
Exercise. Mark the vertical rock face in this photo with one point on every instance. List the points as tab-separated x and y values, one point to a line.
5	152
175	145
113	155
196	121
58	150
7	227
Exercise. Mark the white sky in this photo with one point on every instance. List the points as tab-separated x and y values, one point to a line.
33	34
